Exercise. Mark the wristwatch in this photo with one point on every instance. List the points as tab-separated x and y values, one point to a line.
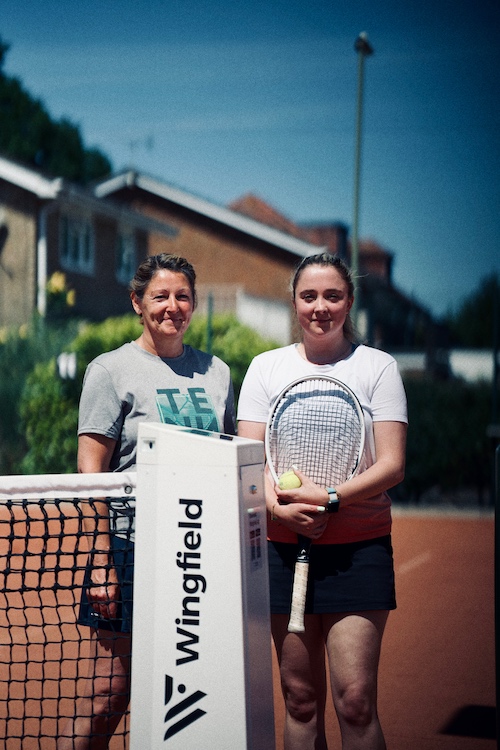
333	503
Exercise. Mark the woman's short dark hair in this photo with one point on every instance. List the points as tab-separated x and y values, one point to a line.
331	261
164	261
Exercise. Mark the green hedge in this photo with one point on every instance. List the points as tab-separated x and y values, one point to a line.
49	405
20	350
448	448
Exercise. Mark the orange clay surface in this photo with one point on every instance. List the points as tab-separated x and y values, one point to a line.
438	655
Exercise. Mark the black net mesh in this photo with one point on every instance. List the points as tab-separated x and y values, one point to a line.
46	657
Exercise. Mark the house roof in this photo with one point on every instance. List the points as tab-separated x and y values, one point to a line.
51	189
208	209
255	208
30	180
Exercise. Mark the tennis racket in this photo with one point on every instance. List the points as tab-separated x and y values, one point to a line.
316	425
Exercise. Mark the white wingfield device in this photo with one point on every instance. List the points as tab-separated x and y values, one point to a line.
201	654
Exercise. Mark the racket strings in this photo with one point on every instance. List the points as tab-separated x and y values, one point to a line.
318	431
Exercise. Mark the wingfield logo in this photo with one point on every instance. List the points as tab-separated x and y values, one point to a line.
179	715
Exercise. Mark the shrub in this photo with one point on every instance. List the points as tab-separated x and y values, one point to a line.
20	350
49	404
49	411
232	341
448	447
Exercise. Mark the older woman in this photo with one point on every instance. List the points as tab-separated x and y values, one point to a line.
155	378
351	576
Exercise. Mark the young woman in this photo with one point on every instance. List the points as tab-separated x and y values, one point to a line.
155	378
351	581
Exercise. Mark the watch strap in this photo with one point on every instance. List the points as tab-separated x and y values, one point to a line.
333	503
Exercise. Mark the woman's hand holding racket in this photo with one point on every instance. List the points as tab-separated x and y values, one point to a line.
303	519
303	508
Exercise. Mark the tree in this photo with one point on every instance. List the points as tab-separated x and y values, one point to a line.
29	134
4	48
472	325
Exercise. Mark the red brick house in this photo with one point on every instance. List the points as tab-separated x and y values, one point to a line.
49	225
244	263
244	255
387	317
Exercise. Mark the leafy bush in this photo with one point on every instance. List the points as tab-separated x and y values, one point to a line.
20	350
96	338
473	323
232	341
60	298
49	405
447	443
448	447
49	411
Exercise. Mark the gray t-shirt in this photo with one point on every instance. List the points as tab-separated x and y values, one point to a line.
129	385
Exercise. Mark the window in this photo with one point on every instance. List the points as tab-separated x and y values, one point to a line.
77	244
125	256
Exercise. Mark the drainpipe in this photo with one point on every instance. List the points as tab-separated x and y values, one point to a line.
41	300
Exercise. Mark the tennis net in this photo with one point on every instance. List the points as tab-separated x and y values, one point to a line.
44	653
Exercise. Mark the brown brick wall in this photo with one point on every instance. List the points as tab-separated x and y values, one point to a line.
219	254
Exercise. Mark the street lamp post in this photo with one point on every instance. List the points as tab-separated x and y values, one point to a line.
363	48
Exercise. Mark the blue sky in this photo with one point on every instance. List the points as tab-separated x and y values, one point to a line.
224	98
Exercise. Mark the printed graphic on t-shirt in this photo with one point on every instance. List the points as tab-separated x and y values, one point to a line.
194	408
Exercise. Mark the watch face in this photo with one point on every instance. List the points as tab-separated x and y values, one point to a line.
332	506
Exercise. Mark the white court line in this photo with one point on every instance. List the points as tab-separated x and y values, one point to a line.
415	562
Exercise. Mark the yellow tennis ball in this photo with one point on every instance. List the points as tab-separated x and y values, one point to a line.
289	481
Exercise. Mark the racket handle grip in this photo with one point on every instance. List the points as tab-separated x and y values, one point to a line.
301	574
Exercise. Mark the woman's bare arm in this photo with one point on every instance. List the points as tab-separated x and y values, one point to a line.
94	456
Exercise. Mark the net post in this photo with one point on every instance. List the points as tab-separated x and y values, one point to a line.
201	657
497	589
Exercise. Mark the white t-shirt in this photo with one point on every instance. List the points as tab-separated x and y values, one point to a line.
374	377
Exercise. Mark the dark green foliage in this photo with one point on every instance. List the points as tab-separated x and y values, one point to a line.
233	342
49	411
472	325
447	444
20	350
448	447
30	135
4	48
96	338
49	405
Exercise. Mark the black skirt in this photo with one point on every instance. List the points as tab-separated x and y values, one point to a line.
356	577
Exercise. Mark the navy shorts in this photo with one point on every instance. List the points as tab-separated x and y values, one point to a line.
123	562
355	577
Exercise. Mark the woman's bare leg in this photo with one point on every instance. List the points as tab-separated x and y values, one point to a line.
303	681
99	711
353	645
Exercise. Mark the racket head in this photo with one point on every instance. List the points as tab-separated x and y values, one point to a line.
317	425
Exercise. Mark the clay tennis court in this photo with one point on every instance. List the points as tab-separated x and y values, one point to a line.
437	675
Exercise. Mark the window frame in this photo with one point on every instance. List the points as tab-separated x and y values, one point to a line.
77	243
126	245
